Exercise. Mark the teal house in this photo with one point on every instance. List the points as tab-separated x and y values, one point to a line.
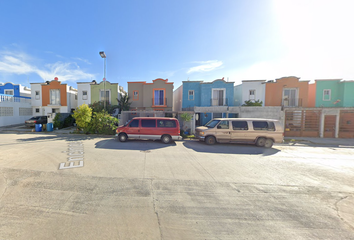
334	93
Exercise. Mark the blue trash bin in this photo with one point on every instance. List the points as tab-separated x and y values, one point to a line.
49	127
38	127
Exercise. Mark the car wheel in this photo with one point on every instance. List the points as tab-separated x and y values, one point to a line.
260	142
122	137
166	139
268	143
210	140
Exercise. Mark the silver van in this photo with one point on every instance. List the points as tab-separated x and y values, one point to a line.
259	131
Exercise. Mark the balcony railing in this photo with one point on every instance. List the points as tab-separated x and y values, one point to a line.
159	101
9	98
291	102
219	102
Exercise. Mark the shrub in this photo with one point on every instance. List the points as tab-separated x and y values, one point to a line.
103	123
83	115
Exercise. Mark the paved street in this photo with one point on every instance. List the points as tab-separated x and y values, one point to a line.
186	190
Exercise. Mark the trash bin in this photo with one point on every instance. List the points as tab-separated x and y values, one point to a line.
49	127
44	127
38	127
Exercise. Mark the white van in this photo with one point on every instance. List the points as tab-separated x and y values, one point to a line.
259	131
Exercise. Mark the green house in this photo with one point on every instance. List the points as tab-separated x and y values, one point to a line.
334	93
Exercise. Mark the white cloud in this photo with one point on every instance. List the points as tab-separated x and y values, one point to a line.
82	59
20	63
206	66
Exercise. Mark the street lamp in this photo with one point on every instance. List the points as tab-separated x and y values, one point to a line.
103	55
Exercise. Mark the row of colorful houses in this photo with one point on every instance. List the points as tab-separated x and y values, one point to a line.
206	100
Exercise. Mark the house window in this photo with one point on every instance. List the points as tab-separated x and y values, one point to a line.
191	95
84	95
105	98
9	92
75	97
159	97
290	97
54	96
327	95
37	95
218	97
252	95
135	95
37	110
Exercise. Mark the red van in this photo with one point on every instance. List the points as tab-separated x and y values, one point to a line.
166	129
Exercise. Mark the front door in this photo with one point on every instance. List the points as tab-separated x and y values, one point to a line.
329	126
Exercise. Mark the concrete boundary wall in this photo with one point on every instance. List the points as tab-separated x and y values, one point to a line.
16	118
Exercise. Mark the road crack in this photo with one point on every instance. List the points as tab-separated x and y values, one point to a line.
154	206
338	212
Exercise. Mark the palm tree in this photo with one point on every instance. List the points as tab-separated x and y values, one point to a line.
123	102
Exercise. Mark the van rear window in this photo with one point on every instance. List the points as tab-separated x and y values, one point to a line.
263	125
151	123
166	123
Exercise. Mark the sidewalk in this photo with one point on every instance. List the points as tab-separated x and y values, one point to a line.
23	129
344	142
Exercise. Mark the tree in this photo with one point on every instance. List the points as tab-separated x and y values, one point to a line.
186	117
253	103
123	102
82	115
103	123
99	107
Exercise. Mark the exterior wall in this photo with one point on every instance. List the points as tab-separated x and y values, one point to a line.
146	95
238	95
348	89
80	88
17	112
55	84
177	99
95	91
206	92
136	86
36	103
312	95
196	87
258	86
72	98
334	86
18	90
274	91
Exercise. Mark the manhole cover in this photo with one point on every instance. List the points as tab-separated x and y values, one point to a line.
146	151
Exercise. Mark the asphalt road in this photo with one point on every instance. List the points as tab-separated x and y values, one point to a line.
184	190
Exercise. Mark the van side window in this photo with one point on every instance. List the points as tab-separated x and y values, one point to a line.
223	125
271	126
134	123
166	123
149	123
262	125
239	125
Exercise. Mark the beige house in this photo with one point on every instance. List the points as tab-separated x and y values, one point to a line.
155	96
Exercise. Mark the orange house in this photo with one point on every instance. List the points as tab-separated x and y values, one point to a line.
287	92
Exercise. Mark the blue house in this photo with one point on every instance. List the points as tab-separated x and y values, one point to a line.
15	91
211	98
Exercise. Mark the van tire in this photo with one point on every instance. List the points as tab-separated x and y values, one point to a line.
261	142
166	139
210	140
122	137
268	143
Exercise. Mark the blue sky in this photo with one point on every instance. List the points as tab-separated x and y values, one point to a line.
179	40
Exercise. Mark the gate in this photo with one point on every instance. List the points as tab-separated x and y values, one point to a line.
302	123
346	124
329	126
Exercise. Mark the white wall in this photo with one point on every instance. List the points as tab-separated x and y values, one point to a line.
253	85
36	87
83	87
16	118
177	99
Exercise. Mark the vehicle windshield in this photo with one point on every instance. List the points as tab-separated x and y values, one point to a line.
212	123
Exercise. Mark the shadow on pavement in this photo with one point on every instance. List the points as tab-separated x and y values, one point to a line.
138	145
55	137
229	148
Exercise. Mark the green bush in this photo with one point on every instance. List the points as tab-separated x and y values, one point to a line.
103	123
83	115
56	121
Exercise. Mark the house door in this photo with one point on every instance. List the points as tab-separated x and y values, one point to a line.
329	126
197	119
